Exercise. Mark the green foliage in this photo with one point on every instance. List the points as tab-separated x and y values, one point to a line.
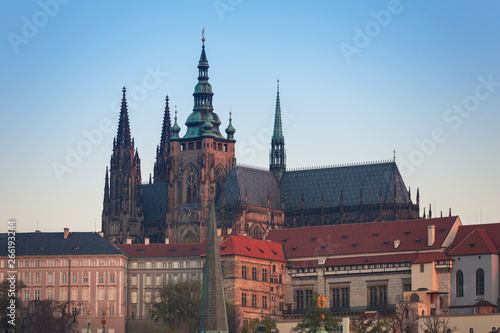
179	308
6	295
250	325
312	318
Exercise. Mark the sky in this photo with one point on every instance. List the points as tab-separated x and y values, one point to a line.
358	80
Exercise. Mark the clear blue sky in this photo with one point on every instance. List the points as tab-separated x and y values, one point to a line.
357	80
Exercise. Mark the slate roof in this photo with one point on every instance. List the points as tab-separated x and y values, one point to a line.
163	250
53	243
476	239
257	184
252	247
372	238
154	201
330	182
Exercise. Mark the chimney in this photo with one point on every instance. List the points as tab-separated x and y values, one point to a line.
167	241
396	243
101	233
129	241
146	241
66	233
431	234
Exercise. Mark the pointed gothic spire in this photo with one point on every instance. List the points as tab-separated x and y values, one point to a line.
175	129
106	187
166	131
277	156
123	135
161	166
213	307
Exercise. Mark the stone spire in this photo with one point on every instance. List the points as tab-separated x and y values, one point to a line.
123	135
162	163
277	156
213	307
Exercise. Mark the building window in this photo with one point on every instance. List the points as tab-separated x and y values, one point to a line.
264	274
254	273
74	311
26	295
299	299
264	302
378	295
133	297
133	280
85	277
74	294
111	294
112	277
37	278
64	278
64	294
148	296
50	278
158	280
37	294
100	294
148	280
27	278
243	299
111	311
422	268
101	277
309	294
243	272
85	294
75	277
50	263
37	263
254	300
26	263
460	283
340	297
50	294
480	283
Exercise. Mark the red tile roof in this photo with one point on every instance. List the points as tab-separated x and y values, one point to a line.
252	247
476	239
423	258
163	250
375	237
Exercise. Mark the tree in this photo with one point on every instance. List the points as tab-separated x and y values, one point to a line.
311	321
47	316
179	308
9	296
405	318
250	325
435	324
372	325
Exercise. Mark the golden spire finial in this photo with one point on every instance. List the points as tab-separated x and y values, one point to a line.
203	35
176	110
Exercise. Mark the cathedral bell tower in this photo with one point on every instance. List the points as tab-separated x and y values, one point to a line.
122	214
201	158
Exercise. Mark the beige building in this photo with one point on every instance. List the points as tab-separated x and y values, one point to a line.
81	268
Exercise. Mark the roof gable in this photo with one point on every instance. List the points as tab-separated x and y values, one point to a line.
257	185
478	241
252	247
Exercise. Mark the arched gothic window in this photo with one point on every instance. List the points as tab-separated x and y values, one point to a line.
460	283
479	283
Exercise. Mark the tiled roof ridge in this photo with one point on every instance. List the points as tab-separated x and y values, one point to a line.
482	234
340	165
252	167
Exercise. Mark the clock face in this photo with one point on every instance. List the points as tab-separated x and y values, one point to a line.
191	178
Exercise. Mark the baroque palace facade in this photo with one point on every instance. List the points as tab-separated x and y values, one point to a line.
174	205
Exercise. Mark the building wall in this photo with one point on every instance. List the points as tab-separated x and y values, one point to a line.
105	285
469	265
424	276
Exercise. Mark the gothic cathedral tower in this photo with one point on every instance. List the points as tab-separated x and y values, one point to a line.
201	158
277	155
122	207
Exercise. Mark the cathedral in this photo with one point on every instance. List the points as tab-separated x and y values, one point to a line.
193	171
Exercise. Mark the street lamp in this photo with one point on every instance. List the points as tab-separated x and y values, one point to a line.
103	321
